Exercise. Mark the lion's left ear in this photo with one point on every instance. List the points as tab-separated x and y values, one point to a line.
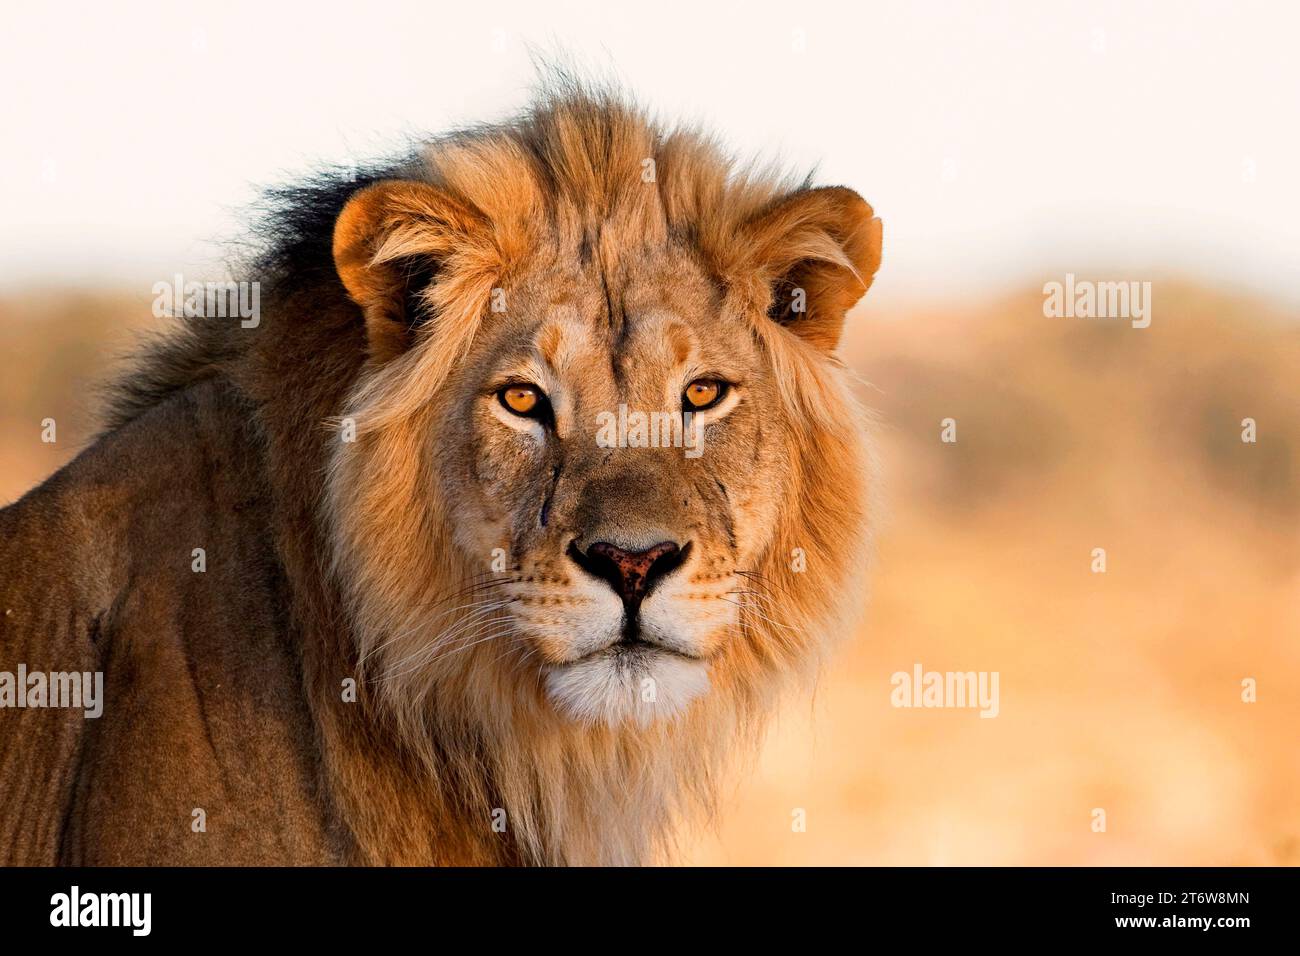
390	242
817	250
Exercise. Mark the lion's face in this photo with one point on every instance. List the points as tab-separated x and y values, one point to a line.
608	470
623	463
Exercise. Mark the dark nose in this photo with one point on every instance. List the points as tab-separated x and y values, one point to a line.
632	574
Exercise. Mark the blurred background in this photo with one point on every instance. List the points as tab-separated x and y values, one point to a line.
1004	145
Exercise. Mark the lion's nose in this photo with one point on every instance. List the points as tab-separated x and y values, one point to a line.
632	574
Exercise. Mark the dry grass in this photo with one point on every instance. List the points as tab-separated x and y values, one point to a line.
1119	691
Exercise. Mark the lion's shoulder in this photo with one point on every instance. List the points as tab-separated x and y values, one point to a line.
147	561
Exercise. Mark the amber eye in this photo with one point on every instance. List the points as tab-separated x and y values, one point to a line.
702	393
522	399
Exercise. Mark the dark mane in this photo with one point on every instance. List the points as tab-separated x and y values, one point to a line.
294	224
287	251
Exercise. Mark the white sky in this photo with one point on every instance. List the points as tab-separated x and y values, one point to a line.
999	141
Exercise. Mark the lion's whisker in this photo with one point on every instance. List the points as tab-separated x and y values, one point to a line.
468	589
423	656
761	580
751	609
476	612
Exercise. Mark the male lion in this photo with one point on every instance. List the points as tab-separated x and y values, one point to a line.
436	617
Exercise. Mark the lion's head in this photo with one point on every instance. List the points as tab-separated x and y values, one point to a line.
602	482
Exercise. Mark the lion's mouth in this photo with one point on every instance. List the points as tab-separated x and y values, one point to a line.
632	648
630	679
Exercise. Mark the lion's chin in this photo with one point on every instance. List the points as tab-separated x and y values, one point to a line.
617	686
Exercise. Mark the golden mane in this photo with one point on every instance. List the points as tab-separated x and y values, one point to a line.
549	183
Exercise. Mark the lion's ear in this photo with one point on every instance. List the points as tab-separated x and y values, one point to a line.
390	241
817	250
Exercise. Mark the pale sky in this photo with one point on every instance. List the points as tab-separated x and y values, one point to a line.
1000	142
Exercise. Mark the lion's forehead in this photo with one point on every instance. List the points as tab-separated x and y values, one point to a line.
602	343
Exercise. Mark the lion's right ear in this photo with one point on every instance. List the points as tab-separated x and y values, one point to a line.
390	242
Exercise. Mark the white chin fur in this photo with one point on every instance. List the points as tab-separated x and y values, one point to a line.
615	687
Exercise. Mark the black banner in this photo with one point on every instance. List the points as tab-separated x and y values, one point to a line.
207	905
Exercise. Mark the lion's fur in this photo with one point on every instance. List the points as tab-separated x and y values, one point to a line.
356	553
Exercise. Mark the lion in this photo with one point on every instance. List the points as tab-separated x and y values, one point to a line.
371	581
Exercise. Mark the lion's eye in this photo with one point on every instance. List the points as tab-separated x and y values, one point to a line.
702	393
526	400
